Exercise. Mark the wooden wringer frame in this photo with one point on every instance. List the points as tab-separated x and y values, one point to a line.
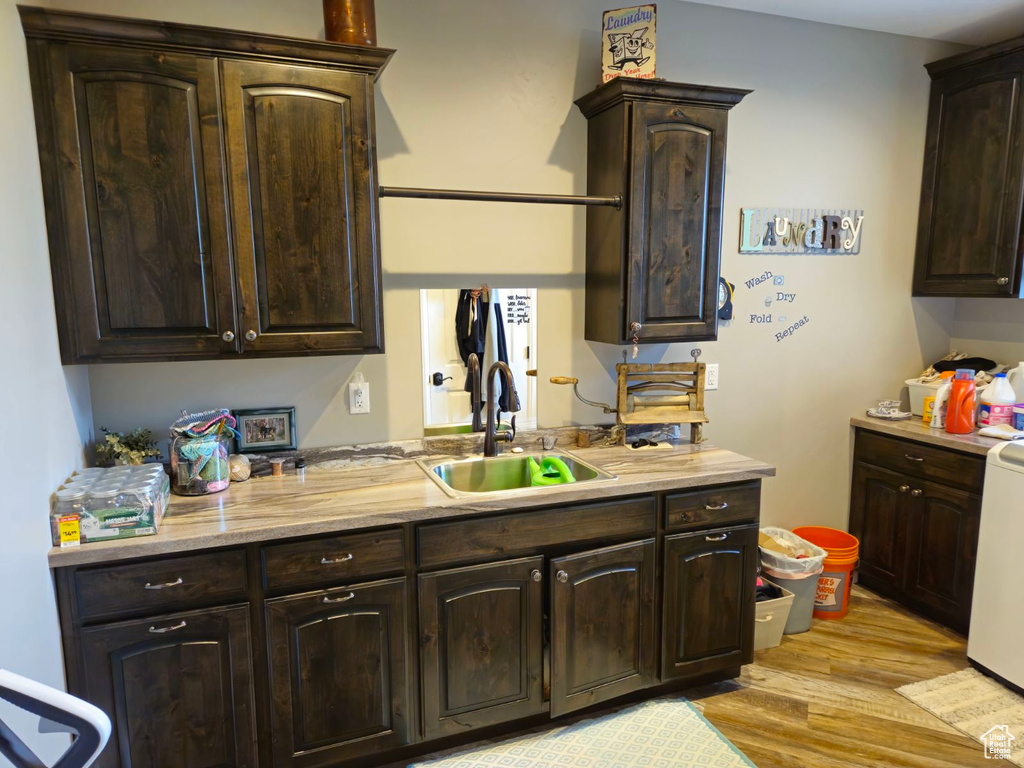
655	393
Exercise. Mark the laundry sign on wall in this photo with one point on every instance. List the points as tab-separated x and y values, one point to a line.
800	230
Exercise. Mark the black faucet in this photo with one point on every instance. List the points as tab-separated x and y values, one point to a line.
473	370
491	435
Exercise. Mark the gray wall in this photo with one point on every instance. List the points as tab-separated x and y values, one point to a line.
480	96
992	328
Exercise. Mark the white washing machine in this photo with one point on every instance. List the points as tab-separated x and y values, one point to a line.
997	623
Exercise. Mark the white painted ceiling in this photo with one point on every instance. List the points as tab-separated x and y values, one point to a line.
972	22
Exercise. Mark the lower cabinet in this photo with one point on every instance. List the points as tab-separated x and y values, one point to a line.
709	592
602	625
178	689
482	631
339	680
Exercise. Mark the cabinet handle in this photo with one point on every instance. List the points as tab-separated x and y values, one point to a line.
343	559
916	492
562	576
162	630
1003	281
904	488
228	336
765	619
328	600
176	583
251	335
678	113
536	575
719	537
908	457
716	507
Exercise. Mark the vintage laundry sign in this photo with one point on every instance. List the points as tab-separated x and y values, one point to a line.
627	43
800	230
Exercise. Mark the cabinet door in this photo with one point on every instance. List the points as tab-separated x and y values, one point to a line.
879	517
677	181
135	202
968	241
482	645
338	673
302	174
943	547
708	620
178	689
602	625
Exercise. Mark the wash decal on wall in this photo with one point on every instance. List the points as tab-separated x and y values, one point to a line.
778	301
800	230
627	43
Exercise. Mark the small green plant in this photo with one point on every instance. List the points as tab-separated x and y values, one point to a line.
133	448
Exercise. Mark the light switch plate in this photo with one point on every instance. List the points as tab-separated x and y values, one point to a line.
711	377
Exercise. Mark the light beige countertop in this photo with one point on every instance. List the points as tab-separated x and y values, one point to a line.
914	429
334	500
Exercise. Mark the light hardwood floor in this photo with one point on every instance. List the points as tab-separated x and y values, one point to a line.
827	699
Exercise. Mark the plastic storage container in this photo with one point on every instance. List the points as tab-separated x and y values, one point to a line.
798	575
918	392
770	619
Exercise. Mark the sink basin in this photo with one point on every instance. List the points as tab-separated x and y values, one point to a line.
502	473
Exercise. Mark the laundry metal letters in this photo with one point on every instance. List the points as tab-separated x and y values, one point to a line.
800	230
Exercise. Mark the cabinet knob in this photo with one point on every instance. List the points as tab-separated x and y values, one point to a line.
562	576
635	327
678	113
536	575
1003	281
228	335
904	488
916	492
251	335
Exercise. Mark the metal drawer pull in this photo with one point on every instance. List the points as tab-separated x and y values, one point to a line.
719	537
766	618
908	457
716	507
345	559
916	492
328	600
155	631
176	583
904	488
1003	281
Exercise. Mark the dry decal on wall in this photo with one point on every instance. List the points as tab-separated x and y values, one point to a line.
627	43
800	230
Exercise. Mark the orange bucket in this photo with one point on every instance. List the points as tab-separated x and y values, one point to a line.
832	600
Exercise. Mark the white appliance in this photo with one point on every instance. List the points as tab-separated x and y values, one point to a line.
997	623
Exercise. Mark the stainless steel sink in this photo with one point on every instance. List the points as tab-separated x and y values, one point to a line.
471	477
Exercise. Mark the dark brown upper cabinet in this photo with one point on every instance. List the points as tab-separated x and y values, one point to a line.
208	193
969	227
653	264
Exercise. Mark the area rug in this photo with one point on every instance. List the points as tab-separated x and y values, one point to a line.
975	705
655	734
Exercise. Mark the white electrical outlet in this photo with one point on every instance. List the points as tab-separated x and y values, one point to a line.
359	394
711	377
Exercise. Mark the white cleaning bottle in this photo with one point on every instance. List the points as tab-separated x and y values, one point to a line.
1016	379
939	408
997	402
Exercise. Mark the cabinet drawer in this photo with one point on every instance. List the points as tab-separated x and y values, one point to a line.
712	507
332	559
159	585
919	460
527	532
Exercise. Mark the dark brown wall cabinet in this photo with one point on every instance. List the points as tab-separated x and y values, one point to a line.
916	510
208	193
969	228
653	265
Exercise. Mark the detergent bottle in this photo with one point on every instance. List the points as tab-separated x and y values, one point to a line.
961	408
936	409
997	403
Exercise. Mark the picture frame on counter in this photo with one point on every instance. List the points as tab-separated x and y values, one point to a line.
266	429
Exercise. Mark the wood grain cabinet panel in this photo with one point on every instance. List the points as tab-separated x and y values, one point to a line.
880	519
481	645
708	601
301	172
178	689
339	673
602	625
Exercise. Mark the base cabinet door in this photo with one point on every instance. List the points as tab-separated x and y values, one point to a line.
943	549
482	645
709	590
339	673
178	689
602	625
879	518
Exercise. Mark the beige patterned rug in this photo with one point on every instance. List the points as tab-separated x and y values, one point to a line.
975	705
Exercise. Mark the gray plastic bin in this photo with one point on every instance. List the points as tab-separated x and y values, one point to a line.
771	617
803	590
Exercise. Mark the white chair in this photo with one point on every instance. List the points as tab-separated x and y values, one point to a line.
59	712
